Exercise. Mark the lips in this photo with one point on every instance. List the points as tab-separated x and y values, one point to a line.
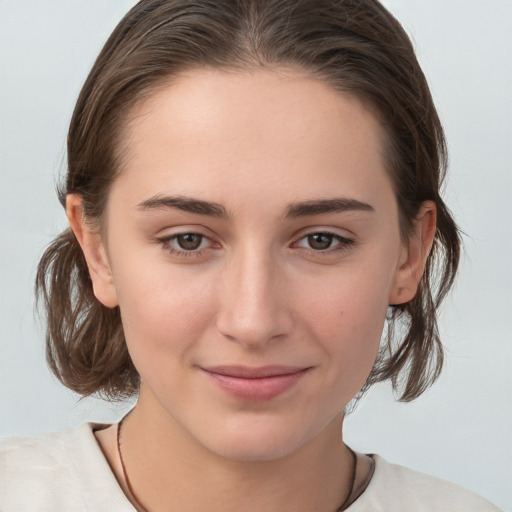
256	384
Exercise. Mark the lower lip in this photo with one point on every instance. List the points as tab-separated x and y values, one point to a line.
256	390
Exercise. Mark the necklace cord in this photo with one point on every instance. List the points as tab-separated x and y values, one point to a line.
125	474
348	499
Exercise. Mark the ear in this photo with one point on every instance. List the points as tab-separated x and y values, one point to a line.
414	255
94	251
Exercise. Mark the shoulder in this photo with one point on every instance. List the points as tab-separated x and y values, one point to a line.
54	471
397	488
32	466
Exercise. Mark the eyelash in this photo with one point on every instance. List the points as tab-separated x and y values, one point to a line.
342	245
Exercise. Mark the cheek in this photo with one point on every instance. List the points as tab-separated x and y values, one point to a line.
350	326
163	313
352	301
346	316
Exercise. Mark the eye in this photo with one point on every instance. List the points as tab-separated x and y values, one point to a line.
320	241
189	241
324	241
186	244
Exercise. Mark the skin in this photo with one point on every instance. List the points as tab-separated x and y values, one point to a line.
256	293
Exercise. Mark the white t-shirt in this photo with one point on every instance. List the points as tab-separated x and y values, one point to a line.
67	472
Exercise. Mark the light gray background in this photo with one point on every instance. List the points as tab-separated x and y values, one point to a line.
459	430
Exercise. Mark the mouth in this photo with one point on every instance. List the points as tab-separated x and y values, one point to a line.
255	384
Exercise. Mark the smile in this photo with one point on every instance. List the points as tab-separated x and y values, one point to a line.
255	384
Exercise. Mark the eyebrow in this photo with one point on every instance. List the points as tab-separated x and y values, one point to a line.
186	204
294	210
335	205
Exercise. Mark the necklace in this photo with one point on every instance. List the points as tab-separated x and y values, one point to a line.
348	499
140	508
345	504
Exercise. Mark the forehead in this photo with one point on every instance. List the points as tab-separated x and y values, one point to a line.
219	131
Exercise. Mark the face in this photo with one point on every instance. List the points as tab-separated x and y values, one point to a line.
252	244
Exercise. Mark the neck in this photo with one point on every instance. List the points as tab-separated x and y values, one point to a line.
167	467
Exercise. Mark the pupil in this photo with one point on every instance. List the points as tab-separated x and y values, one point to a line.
189	241
320	241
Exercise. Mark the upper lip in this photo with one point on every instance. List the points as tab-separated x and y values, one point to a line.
253	372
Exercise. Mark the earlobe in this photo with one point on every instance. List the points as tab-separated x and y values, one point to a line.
94	252
415	253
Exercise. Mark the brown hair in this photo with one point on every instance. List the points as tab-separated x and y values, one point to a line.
358	48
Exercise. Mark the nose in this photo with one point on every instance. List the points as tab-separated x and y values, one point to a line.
254	309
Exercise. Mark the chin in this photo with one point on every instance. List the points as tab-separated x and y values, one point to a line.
255	451
256	440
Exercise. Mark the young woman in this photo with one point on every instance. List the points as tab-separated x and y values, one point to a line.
253	198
